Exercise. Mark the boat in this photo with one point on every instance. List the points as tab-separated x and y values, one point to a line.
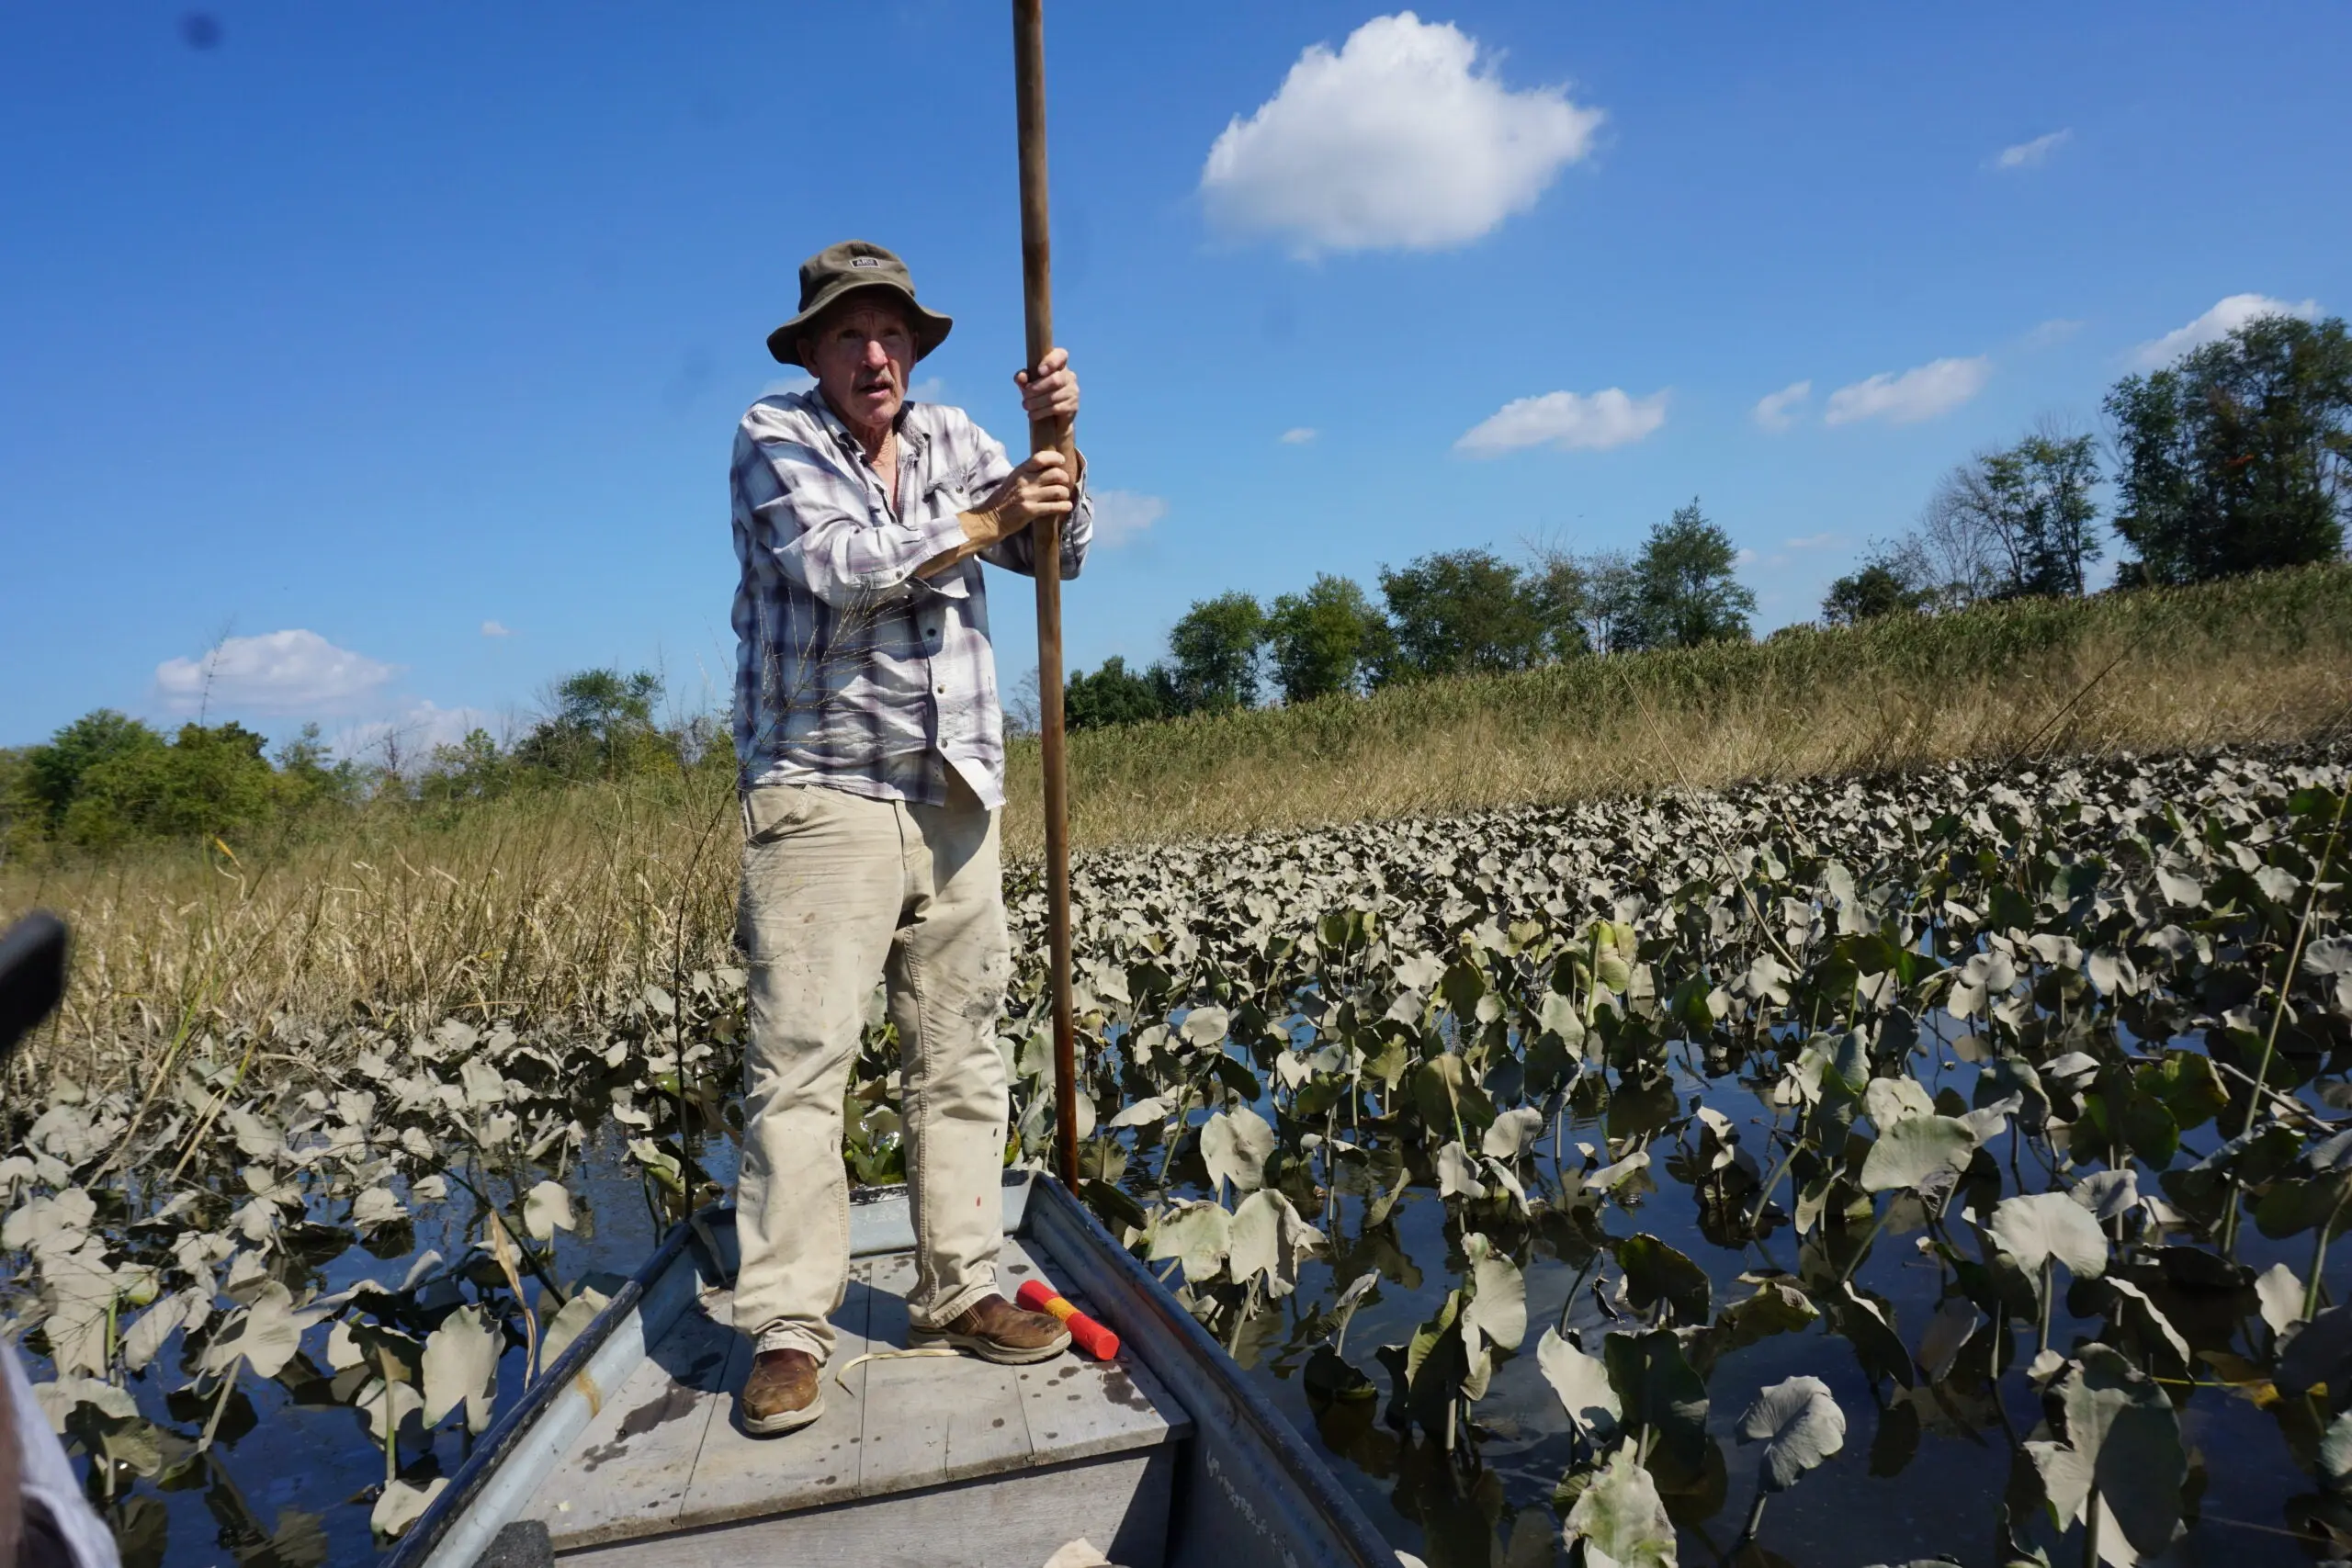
625	1453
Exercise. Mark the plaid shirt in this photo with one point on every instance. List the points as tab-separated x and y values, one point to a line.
850	670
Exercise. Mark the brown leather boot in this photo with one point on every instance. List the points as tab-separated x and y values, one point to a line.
995	1330
785	1390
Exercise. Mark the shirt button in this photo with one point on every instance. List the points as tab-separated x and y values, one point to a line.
942	690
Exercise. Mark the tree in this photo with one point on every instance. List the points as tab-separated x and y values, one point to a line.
1559	588
55	772
1325	641
1458	612
2018	521
602	726
2238	457
1685	592
1215	649
1878	587
1612	593
1116	694
209	781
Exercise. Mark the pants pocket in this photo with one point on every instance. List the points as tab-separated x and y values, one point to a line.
771	811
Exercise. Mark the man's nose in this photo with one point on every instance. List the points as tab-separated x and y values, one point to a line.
877	356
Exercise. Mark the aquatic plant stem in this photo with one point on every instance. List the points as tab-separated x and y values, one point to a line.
1867	1242
2294	957
2319	1251
2049	1296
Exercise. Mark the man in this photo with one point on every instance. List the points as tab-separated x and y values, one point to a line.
872	759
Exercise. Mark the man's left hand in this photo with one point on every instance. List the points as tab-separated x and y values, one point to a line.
1052	393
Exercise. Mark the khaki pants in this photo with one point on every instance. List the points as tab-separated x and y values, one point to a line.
840	892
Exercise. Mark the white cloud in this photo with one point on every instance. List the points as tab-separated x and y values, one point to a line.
1570	420
2057	329
1299	435
2034	153
1405	137
1120	514
277	672
495	628
1809	542
406	740
1775	410
2224	318
930	389
1924	392
784	386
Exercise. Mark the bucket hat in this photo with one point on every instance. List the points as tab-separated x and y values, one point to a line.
841	269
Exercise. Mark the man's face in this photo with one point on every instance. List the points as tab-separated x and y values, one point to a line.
860	354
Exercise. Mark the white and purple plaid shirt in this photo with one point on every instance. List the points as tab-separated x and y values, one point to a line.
851	671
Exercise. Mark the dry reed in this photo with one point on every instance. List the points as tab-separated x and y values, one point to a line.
561	906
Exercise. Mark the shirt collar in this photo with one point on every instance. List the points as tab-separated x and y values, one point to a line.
915	437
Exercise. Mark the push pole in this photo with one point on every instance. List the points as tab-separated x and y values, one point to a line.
1045	537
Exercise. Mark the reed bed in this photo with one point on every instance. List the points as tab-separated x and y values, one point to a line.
564	905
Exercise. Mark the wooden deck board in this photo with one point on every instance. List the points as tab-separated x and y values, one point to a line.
743	1477
901	1426
628	1474
1079	1406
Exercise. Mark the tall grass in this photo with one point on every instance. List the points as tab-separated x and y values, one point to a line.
563	906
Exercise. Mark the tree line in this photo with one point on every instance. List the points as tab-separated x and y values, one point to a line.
108	780
2237	458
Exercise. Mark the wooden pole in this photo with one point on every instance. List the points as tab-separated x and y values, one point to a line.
1037	290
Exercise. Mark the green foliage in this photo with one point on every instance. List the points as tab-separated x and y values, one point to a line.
55	770
1685	594
2237	458
1876	588
602	726
1116	694
2028	508
1460	612
1214	647
1325	641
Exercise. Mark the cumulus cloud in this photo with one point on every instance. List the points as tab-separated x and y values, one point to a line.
784	386
1406	137
1809	542
1924	392
495	628
405	741
277	672
1299	435
1120	515
1777	411
1570	420
2226	317
2034	153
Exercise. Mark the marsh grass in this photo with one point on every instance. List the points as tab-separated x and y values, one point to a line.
564	905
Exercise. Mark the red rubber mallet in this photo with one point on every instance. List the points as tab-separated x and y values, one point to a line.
1090	1336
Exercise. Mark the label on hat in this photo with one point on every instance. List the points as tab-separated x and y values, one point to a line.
865	261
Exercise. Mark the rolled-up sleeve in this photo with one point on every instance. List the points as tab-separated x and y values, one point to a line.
1019	552
813	522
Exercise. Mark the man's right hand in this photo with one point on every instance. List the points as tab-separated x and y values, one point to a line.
1038	488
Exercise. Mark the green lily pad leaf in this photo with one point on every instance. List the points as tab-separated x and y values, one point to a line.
1659	1391
546	1210
1457	1174
1799	1424
564	1328
1582	1383
2119	1424
1207	1026
2034	1226
1267	1237
1955	1323
1777	1307
460	1359
1196	1235
1329	1378
1235	1145
403	1504
1497	1311
1889	1100
1512	1133
2336	1452
1621	1519
2282	1295
1656	1272
1151	1111
265	1335
1921	1152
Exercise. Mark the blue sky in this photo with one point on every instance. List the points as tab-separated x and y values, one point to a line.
401	347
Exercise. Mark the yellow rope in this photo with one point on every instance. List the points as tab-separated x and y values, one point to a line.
842	1376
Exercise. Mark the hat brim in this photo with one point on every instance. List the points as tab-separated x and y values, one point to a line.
931	327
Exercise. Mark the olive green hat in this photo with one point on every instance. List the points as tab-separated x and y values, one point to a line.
840	269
